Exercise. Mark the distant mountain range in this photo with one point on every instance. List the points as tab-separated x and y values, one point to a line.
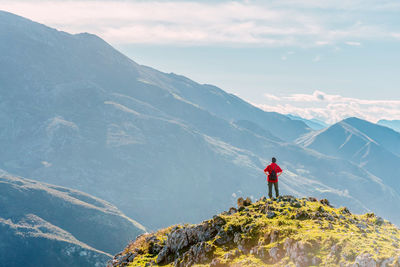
371	146
314	124
78	113
160	147
394	124
46	225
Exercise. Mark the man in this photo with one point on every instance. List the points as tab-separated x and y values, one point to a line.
273	171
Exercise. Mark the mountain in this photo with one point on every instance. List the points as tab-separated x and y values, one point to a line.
374	147
31	241
161	148
47	225
282	232
314	124
394	124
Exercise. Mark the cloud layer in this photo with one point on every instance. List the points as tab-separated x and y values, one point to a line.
271	23
331	108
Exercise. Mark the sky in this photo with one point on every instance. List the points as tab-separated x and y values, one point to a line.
326	59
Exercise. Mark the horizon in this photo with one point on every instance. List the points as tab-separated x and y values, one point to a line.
282	56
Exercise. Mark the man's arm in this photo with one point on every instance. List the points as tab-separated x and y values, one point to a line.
266	170
279	171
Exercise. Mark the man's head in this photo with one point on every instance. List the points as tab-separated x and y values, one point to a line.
273	160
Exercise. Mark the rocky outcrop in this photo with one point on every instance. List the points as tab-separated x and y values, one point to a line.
251	236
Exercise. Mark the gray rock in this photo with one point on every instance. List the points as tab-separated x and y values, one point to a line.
387	262
316	261
379	221
198	254
365	260
275	253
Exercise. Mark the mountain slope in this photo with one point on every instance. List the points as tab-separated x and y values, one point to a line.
77	113
313	123
32	241
57	220
371	146
282	232
393	124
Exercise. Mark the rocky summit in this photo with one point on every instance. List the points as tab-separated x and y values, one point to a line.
286	231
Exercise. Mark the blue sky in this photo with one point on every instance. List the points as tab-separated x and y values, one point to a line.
324	59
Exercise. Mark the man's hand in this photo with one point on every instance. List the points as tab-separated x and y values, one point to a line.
278	174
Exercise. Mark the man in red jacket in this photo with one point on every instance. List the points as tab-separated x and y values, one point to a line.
273	171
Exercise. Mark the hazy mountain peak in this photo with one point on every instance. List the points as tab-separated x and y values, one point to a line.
393	124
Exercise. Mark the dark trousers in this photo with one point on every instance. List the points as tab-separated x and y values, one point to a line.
270	189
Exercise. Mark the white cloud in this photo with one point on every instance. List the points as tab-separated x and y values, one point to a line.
271	97
272	23
331	108
321	43
353	43
396	35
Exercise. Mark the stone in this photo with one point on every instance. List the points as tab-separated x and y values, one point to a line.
223	238
312	199
154	248
346	211
219	221
198	254
275	253
271	237
243	202
364	260
218	263
229	256
296	205
232	210
379	221
361	226
271	214
162	256
237	238
302	215
325	202
316	261
240	202
387	262
302	261
181	239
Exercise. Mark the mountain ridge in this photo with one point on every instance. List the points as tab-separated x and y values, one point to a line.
41	218
369	145
393	124
91	119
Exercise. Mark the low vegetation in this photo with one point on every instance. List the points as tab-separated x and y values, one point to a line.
271	232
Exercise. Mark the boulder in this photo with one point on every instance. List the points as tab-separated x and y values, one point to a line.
379	221
181	239
364	260
218	263
241	203
302	215
200	253
325	202
275	254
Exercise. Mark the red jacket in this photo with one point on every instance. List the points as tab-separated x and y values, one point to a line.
273	166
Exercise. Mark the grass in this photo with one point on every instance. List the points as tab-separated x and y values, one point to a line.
316	225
